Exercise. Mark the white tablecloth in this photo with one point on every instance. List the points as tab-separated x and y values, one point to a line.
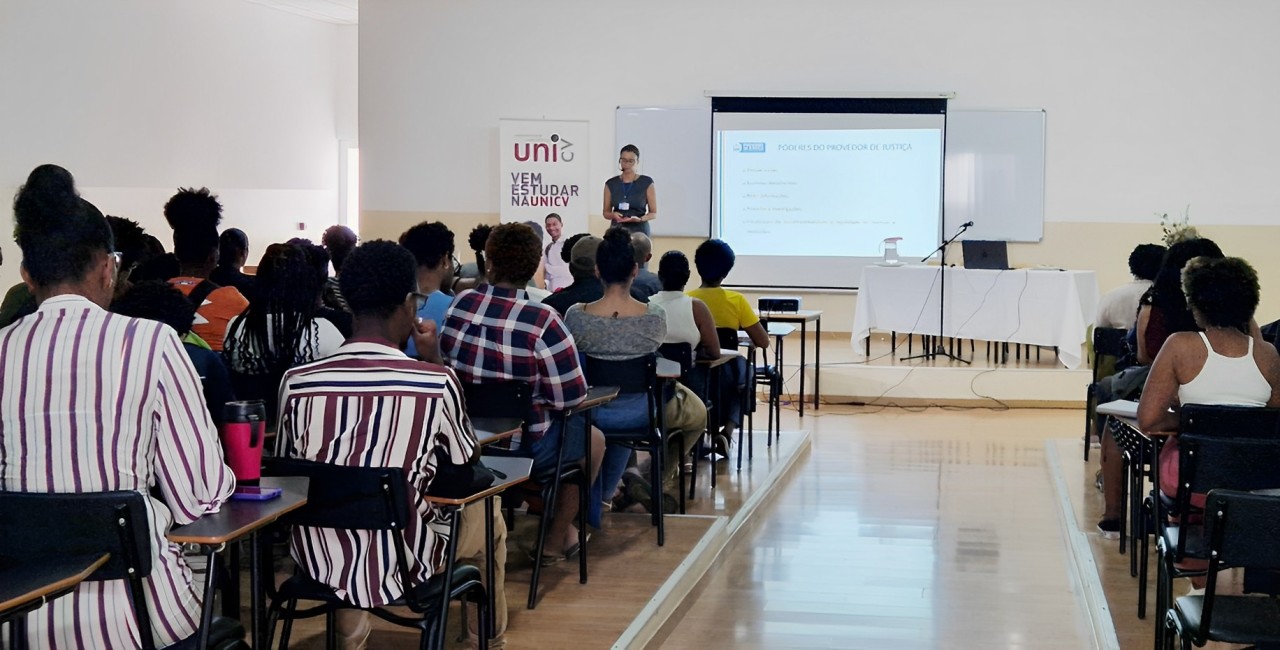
1035	306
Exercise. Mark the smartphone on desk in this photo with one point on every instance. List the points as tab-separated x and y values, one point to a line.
256	493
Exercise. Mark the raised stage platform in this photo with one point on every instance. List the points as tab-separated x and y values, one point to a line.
885	379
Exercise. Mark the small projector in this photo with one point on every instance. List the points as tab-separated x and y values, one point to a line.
779	303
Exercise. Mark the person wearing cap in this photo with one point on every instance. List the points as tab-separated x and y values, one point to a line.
586	285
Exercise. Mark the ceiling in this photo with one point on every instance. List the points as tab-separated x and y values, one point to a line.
339	12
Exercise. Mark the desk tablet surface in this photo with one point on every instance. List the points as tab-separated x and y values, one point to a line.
239	518
510	470
43	577
490	430
1121	408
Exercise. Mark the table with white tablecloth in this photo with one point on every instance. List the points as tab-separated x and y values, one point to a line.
1047	307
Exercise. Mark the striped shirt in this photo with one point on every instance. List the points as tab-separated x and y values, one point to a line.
369	405
91	402
493	334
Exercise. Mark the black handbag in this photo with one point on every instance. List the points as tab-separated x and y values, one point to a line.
454	481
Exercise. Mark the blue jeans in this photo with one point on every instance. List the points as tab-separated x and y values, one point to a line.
545	449
575	448
624	413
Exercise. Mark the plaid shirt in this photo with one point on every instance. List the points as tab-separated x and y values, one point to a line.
495	334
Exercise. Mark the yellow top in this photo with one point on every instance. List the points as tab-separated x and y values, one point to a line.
728	308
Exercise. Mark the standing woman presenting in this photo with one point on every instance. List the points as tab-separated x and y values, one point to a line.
629	200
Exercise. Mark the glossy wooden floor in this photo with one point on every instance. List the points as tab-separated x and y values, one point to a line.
931	529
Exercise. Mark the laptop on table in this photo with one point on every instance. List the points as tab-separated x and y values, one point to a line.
982	254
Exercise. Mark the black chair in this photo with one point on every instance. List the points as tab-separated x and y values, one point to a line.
1108	344
371	499
514	399
638	376
71	525
1219	448
501	399
1241	530
757	375
770	377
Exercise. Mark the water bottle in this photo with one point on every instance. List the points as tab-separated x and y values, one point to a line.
243	428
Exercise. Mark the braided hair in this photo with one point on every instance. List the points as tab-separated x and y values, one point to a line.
276	332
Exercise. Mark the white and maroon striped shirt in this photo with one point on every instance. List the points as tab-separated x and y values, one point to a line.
92	401
369	405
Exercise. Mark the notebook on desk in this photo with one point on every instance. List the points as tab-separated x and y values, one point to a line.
983	254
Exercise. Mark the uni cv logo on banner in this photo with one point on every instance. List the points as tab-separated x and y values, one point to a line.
558	150
749	147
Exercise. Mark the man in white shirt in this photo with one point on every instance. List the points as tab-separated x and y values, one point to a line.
1119	307
553	265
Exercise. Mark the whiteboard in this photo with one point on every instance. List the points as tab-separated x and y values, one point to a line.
995	174
994	169
675	150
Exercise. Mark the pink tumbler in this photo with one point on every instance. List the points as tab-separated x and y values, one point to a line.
243	426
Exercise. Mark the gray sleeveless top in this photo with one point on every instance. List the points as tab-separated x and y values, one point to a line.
635	194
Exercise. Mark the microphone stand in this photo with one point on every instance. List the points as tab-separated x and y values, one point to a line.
940	350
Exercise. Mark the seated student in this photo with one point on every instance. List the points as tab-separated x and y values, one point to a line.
618	327
280	329
194	216
370	374
158	265
130	242
1118	308
1224	363
118	406
495	333
233	253
338	242
159	301
318	259
1163	312
647	282
586	286
689	320
18	300
729	309
471	274
432	246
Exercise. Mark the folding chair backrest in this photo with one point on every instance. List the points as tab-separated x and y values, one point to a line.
499	399
1229	421
1243	528
728	338
1107	342
1210	463
636	375
78	524
352	498
681	353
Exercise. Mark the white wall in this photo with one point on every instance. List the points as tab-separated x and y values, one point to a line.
1151	105
138	97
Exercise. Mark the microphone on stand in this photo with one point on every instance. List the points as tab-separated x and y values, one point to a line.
967	224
